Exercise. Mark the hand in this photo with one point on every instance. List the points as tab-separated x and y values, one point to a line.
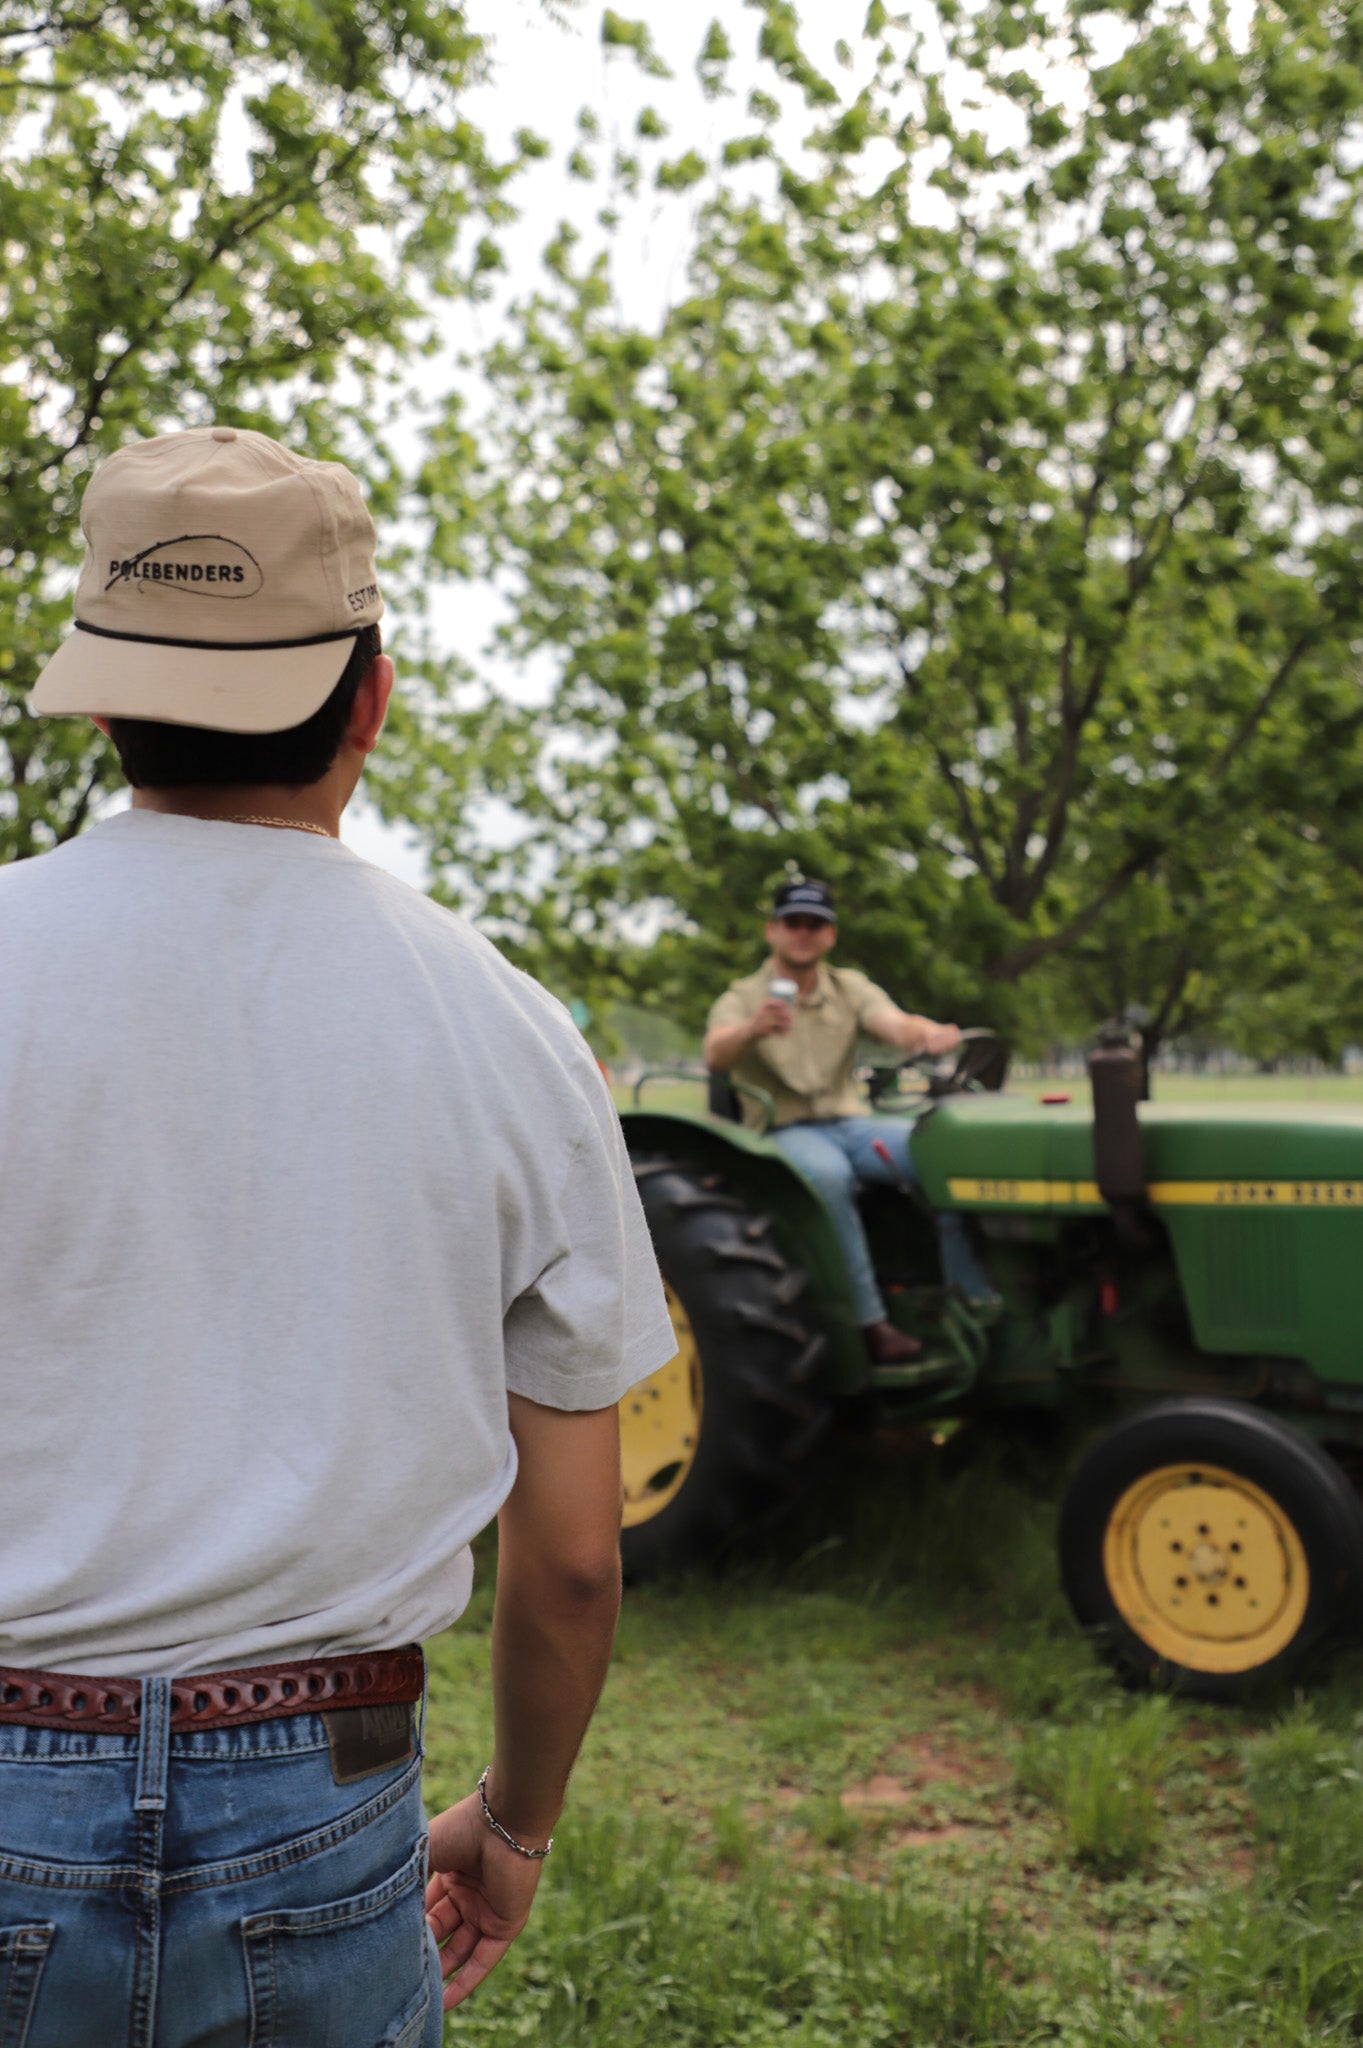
941	1038
478	1897
774	1017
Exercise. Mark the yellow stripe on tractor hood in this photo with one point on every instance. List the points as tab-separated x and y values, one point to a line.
1201	1194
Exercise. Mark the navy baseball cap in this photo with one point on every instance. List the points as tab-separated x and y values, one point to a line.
804	899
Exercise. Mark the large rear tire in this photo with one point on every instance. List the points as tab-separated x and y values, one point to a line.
1211	1547
714	1441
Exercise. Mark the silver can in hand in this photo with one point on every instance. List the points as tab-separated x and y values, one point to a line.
783	990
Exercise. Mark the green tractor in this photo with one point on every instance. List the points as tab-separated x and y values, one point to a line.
1190	1276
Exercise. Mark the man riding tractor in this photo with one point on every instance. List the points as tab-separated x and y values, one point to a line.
790	1031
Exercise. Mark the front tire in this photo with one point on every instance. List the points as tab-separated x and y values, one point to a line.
1211	1547
714	1441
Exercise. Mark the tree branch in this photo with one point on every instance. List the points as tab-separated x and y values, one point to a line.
1140	571
1017	963
55	28
1154	1033
81	808
236	230
969	825
1259	710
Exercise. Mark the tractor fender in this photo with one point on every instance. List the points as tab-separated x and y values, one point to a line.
766	1179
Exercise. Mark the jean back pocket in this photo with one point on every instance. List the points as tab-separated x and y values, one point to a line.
351	1973
23	1953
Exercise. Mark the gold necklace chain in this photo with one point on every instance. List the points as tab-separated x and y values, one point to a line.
287	824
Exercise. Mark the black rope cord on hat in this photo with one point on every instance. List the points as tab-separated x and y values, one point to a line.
221	646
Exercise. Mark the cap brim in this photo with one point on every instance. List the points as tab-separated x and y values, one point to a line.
806	910
226	689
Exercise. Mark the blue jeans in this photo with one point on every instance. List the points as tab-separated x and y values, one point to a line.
834	1156
212	1889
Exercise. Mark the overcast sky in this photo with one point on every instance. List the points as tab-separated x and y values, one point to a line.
544	72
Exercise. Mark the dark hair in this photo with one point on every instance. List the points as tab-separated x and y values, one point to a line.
156	755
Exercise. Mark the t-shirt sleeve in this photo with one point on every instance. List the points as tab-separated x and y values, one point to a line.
730	1008
594	1322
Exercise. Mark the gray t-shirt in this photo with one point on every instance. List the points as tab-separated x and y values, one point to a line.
297	1178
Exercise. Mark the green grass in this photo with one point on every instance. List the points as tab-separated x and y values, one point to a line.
869	1789
1103	1781
1318	1091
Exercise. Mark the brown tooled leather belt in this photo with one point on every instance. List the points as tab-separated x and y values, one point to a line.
215	1699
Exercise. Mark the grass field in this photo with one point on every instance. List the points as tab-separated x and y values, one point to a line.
1319	1091
867	1788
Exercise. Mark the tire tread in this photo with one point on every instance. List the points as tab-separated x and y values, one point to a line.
741	1293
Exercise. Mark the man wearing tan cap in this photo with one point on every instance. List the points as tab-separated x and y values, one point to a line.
318	1249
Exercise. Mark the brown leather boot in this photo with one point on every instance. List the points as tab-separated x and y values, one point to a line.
888	1345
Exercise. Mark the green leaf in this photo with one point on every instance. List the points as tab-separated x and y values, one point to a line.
619	33
681	172
716	52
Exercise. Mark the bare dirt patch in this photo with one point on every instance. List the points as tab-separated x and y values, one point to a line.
919	1761
879	1790
928	1838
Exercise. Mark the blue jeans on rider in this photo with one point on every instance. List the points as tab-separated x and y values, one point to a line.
211	1889
834	1156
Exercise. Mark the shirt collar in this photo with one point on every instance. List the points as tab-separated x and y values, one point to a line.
821	991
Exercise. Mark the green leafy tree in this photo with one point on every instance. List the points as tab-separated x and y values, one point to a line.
246	211
981	532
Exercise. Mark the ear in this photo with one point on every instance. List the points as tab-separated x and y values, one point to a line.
370	707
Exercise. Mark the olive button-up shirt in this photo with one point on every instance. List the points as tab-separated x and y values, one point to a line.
807	1070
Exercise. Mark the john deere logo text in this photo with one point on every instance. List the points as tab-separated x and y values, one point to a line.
208	564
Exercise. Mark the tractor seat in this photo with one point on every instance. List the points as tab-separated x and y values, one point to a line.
722	1097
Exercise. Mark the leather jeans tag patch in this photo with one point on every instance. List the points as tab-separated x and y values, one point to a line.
368	1739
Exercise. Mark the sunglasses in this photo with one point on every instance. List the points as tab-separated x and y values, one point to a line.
799	923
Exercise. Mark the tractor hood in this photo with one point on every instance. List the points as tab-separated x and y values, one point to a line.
1004	1152
1263	1208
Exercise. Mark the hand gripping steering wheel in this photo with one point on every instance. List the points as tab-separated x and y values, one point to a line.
977	1065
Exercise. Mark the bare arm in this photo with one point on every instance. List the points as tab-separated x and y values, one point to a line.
558	1597
912	1034
725	1044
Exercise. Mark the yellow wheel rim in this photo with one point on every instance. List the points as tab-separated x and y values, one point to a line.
1206	1568
660	1426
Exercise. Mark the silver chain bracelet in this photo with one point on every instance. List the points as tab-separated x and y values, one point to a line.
537	1855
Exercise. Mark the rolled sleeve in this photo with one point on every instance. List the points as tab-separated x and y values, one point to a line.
595	1321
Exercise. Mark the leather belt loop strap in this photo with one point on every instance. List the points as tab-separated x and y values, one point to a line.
214	1699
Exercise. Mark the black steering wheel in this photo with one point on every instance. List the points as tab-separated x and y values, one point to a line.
975	1068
